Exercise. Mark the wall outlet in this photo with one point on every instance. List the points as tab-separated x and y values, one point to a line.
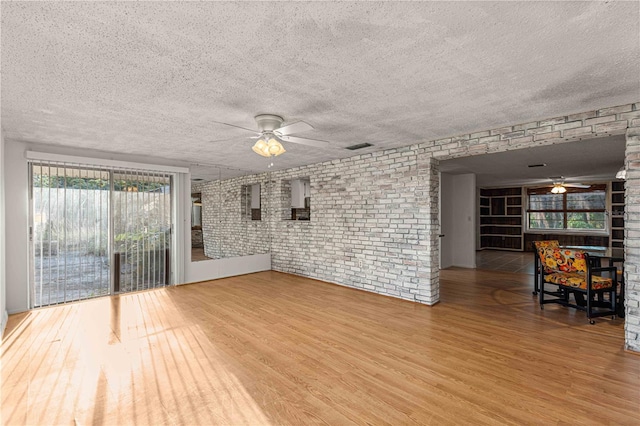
359	263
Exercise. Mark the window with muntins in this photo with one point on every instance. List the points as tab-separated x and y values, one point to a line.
575	210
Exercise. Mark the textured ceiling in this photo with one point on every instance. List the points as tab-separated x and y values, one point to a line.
157	78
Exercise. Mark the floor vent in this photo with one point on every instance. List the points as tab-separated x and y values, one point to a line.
358	146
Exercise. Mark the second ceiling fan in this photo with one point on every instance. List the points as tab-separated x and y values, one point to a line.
560	187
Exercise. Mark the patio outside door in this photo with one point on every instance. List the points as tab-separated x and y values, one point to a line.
96	232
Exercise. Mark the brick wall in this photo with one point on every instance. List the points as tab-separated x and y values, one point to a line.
632	236
365	227
225	231
374	217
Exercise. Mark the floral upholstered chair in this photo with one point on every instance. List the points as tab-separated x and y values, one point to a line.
539	248
571	271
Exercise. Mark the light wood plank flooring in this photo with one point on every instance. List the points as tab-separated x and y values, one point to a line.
272	348
197	254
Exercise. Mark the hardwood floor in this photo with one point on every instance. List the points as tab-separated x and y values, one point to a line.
272	348
197	254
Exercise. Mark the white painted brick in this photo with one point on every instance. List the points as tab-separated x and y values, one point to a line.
552	121
501	130
615	110
578	132
381	209
599	120
569	125
526	126
480	134
541	129
582	115
611	126
547	136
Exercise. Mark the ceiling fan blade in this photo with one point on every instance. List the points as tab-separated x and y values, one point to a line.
233	125
222	140
576	185
290	129
304	141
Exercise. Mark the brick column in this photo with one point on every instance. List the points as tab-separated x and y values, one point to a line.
428	201
632	238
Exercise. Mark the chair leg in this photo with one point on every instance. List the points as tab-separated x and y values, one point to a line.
620	305
536	276
614	300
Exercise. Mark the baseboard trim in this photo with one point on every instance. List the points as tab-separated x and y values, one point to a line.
5	319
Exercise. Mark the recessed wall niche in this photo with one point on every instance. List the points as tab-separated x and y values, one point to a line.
296	199
251	202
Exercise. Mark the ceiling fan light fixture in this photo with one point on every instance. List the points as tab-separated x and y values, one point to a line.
272	148
261	148
558	189
275	148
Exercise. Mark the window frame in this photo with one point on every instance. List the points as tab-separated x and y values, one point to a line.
565	211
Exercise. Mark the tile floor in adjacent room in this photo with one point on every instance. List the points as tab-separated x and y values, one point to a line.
508	261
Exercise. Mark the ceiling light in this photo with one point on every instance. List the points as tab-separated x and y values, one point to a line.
622	173
272	148
558	189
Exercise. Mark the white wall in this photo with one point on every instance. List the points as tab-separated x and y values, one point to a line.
205	270
15	172
17	227
446	220
458	198
3	297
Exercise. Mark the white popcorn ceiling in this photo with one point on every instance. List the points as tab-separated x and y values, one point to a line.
152	78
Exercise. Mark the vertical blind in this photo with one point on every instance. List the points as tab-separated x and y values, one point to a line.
69	233
141	228
84	218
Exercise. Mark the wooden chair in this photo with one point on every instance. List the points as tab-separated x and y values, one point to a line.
571	271
615	261
537	247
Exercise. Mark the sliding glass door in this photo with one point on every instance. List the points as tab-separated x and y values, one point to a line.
96	232
142	230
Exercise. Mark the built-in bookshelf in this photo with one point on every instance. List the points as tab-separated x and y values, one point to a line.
501	225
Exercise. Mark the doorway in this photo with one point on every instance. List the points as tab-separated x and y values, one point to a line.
97	231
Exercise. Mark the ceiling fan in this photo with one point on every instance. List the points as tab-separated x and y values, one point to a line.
560	187
271	133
